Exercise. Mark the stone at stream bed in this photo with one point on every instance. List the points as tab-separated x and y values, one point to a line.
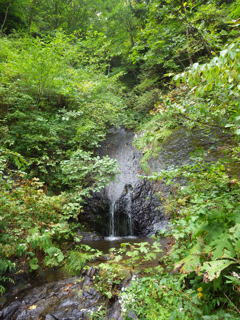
71	299
66	299
90	236
115	311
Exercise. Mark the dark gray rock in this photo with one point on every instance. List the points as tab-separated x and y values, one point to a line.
136	203
115	312
90	236
66	299
69	299
95	214
8	312
51	317
132	316
145	209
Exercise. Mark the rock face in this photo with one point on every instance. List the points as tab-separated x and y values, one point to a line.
130	202
95	214
128	205
146	213
178	148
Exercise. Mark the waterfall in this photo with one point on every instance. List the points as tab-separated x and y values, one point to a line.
111	220
119	147
113	228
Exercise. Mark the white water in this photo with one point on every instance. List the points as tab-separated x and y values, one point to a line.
112	222
119	146
112	238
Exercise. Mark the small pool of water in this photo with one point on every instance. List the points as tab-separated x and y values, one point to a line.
112	238
114	242
27	281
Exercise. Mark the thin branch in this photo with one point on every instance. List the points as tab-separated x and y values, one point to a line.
236	308
5	18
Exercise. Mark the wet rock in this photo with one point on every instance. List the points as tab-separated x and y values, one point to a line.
66	299
8	312
86	281
69	299
95	215
51	317
128	193
115	312
137	211
91	272
132	316
145	209
90	236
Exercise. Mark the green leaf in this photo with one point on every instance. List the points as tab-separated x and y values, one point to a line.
33	263
214	268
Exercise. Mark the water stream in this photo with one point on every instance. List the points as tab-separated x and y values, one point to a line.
112	220
53	295
50	295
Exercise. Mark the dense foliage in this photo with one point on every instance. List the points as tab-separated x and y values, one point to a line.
204	203
54	112
69	71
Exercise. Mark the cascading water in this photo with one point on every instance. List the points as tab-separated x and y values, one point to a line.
119	147
113	228
111	220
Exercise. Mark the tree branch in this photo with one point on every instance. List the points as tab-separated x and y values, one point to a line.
5	18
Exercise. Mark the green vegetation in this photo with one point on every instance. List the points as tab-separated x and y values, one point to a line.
69	71
54	113
122	263
205	209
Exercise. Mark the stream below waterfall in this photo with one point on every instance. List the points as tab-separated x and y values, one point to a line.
51	294
130	213
127	210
